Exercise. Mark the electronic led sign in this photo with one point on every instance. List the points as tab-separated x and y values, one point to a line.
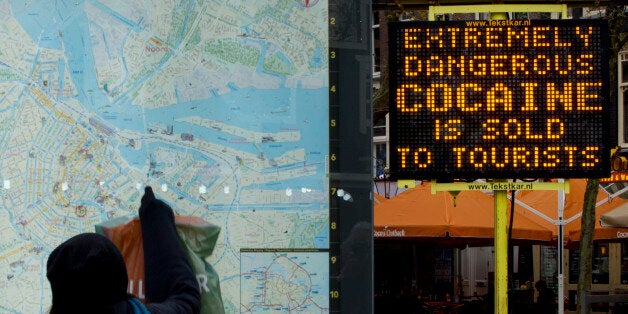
500	99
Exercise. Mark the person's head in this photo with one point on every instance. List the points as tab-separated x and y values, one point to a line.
87	274
541	284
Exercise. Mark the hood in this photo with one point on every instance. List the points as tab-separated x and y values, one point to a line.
86	271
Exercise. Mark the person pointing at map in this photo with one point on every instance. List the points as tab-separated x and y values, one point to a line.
87	273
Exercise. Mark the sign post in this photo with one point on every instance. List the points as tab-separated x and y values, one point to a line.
500	99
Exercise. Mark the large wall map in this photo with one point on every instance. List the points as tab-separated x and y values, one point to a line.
221	106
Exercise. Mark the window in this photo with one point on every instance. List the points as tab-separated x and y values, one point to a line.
380	159
600	263
549	269
523	265
376	45
623	98
574	266
599	267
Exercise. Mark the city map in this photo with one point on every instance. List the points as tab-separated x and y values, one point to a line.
221	106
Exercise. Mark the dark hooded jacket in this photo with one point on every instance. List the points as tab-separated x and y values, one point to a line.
87	273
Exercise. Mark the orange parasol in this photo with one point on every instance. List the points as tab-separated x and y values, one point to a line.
416	213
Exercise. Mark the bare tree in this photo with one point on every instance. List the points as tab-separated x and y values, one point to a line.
615	15
586	239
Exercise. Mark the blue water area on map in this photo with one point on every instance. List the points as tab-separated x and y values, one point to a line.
65	25
135	157
36	17
321	240
317	60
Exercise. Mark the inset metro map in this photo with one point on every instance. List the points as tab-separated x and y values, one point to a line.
284	281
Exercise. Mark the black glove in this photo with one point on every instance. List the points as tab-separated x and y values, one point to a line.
152	208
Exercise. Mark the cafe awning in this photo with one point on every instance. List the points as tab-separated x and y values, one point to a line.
542	207
419	214
617	217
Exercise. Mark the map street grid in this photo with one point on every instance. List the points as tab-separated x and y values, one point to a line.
222	106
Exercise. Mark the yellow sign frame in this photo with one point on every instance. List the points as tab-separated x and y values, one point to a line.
500	186
497	8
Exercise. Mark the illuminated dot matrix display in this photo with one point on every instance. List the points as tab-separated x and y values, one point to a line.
500	99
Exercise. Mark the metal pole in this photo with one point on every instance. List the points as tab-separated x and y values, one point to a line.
501	234
501	252
561	276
